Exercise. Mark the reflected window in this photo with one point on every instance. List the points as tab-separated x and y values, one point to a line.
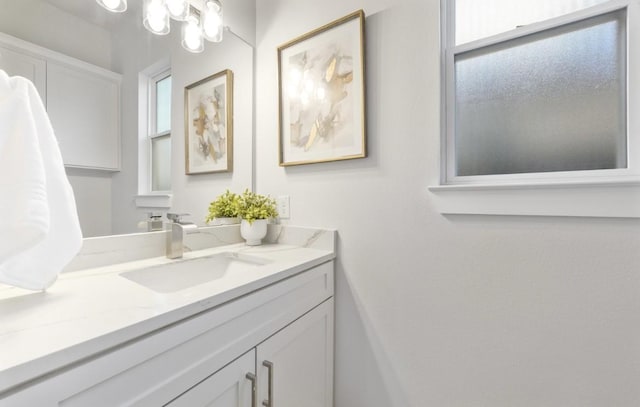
160	131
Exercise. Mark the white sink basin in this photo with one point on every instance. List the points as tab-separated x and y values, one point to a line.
169	278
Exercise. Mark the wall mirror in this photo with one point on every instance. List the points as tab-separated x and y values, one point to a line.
113	201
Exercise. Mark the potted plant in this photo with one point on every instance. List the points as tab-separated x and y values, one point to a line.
255	210
224	210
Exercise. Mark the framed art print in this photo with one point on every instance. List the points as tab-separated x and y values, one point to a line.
209	124
322	94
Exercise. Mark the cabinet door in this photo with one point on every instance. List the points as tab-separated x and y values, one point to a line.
85	113
295	366
228	387
18	64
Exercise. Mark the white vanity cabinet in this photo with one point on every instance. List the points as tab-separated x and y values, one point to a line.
295	366
295	369
82	100
231	386
204	359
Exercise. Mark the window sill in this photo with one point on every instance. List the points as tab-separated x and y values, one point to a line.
607	198
154	201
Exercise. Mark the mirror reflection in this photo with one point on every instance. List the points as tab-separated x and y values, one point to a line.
115	94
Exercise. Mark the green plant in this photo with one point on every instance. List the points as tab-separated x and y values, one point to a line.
225	206
252	206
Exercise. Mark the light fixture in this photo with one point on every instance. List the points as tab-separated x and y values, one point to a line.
116	6
178	9
192	39
212	24
202	19
155	16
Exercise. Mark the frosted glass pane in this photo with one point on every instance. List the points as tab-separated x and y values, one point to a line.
552	101
161	163
163	105
477	19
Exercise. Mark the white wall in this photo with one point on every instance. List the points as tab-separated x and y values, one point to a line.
457	311
45	25
42	23
134	50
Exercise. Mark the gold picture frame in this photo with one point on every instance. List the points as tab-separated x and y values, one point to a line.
208	124
321	79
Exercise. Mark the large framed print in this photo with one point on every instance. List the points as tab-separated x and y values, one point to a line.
322	94
209	124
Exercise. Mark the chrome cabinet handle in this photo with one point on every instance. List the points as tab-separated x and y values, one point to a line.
254	397
269	401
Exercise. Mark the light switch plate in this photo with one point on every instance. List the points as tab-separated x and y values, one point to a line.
284	209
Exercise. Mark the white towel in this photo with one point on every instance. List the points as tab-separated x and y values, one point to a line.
39	227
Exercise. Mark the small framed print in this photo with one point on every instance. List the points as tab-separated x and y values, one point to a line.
209	124
322	94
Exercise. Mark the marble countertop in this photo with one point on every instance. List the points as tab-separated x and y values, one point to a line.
92	310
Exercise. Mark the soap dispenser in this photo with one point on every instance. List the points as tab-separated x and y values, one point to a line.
154	223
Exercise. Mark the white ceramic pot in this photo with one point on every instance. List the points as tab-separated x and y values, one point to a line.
225	221
254	232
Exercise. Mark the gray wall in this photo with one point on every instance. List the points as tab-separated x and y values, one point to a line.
447	311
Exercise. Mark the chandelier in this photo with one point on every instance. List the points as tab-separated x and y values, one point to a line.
198	24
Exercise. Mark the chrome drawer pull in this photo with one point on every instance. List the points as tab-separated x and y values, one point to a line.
254	397
269	401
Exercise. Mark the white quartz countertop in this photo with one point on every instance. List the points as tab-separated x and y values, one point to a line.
89	311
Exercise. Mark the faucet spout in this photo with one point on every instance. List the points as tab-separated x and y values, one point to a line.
175	236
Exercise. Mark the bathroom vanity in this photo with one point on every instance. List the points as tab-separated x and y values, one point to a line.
234	326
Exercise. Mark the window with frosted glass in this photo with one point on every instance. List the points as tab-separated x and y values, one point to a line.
550	101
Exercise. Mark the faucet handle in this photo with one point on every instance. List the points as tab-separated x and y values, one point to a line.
176	217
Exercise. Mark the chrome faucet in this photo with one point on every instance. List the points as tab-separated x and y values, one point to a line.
175	236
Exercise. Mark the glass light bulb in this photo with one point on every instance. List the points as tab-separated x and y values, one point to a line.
212	23
112	4
156	17
115	6
156	11
192	35
156	23
178	9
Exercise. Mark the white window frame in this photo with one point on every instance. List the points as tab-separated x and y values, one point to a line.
147	197
504	193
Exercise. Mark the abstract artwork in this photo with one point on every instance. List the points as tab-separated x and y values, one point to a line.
209	124
322	94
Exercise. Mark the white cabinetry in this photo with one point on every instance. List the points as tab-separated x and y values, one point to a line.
232	386
82	100
83	106
295	369
204	360
296	365
16	63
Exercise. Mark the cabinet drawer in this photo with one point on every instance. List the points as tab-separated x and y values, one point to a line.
159	366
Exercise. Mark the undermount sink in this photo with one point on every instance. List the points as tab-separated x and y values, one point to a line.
169	278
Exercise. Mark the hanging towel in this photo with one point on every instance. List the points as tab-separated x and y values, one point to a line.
39	227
